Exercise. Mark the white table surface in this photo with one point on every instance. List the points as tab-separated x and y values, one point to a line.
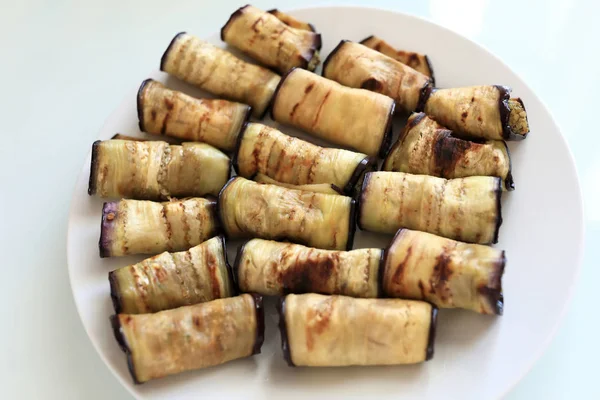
66	65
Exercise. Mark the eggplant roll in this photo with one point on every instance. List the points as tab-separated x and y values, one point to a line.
418	62
286	159
145	227
486	112
272	42
250	209
219	72
355	118
120	136
425	147
155	170
275	268
162	111
325	188
191	337
332	331
466	209
358	66
291	21
447	273
171	280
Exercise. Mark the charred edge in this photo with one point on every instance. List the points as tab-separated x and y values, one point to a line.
509	183
426	91
271	106
366	39
214	211
118	136
387	134
352	227
236	267
163	59
337	189
311	52
115	292
219	211
312	28
432	329
115	322
413	121
317	43
260	323
92	187
503	97
333	52
238	145
285	346
140	103
237	13
381	273
367	164
498	192
430	68
107	227
382	266
494	294
360	199
232	284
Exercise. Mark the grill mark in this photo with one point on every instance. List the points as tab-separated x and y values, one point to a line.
447	151
294	110
182	287
310	87
402	189
122	213
196	275
318	321
180	57
191	62
132	152
440	204
398	276
211	262
253	27
163	213
311	170
318	114
162	172
186	226
458	228
441	275
268	158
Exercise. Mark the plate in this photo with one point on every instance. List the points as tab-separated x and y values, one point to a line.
476	356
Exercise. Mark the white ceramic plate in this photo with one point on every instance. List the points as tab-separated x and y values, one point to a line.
476	356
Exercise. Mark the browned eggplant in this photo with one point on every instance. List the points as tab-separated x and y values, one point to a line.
325	188
286	159
168	139
355	118
486	112
219	72
162	111
190	337
250	209
171	280
466	209
272	42
119	136
155	170
425	147
328	331
291	21
418	62
275	268
447	273
358	66
145	227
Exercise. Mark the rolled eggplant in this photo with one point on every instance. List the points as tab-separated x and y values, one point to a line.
358	66
250	209
171	280
325	188
191	337
486	112
219	72
334	331
266	150
270	41
155	170
447	273
465	209
119	136
145	227
162	111
427	148
275	268
418	62
291	21
355	118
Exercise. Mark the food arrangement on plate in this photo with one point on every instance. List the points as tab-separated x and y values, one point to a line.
436	192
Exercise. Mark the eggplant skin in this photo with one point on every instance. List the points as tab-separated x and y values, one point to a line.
275	268
427	148
466	209
272	42
291	21
250	209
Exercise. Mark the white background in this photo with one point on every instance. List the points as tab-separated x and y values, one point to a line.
66	65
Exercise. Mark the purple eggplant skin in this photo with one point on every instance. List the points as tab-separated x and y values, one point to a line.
93	168
115	292
507	132
118	332
260	323
432	331
360	199
166	53
140	99
498	193
495	296
285	347
107	226
386	142
352	228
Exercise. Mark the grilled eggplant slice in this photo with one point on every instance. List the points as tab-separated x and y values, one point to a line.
358	66
328	331
171	280
266	150
291	21
324	188
250	209
191	337
447	273
149	170
162	111
271	41
355	118
219	72
275	268
486	112
465	209
145	227
425	147
418	62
